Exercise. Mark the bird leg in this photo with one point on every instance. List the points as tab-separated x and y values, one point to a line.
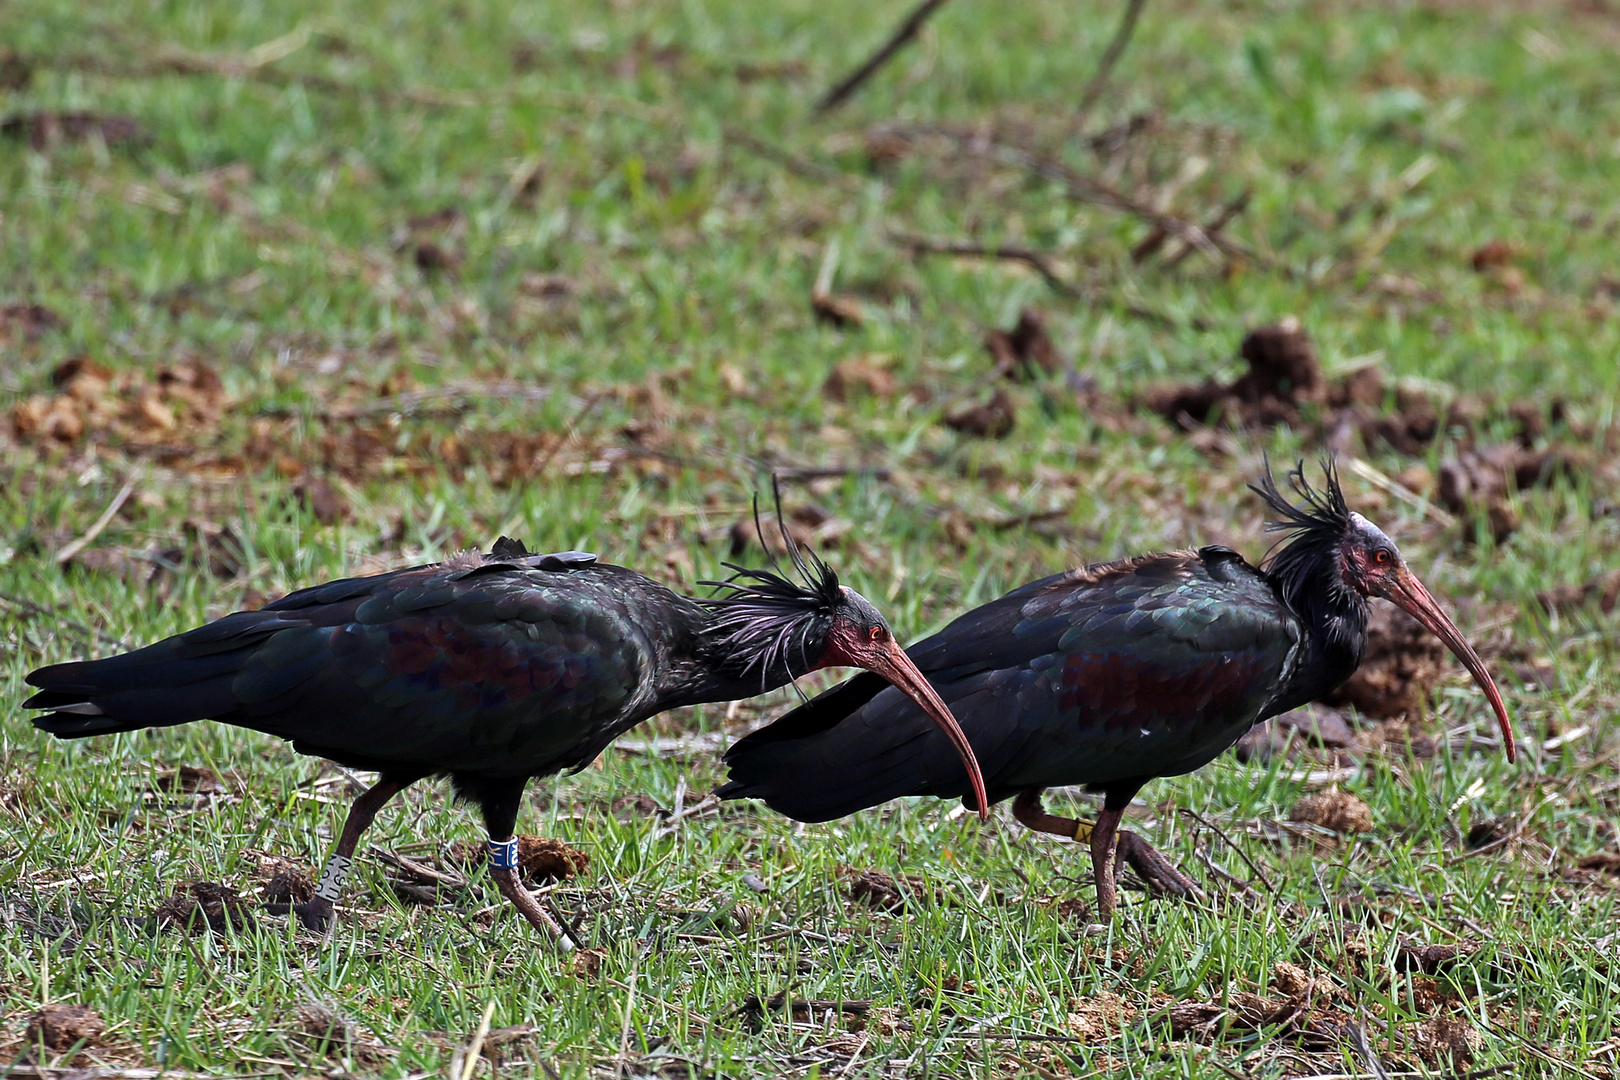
1158	872
1102	858
316	913
503	868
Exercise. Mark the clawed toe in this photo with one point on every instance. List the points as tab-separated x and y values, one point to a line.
1157	872
314	915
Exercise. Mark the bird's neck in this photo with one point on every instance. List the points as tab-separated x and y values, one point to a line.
1333	618
715	670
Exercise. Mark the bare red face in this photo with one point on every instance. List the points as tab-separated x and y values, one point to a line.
860	638
1373	567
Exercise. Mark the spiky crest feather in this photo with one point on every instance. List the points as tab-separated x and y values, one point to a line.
1307	557
767	614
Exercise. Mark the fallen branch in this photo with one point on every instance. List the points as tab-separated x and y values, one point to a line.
1220	221
1089	189
1218	831
805	473
922	245
902	34
1105	69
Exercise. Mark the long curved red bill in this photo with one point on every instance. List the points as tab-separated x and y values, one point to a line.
1405	590
891	662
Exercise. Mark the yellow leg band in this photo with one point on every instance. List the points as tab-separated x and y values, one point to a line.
1082	831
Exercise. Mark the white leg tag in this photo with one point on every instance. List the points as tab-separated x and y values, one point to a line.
332	878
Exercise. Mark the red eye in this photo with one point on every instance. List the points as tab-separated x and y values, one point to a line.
1381	555
876	633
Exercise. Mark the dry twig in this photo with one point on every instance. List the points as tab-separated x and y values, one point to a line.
1105	69
73	547
903	33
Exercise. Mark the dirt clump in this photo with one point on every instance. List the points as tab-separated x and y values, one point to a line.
1337	810
321	1024
885	892
1491	255
287	882
1486	477
1099	1019
1602	591
994	419
1026	351
540	858
1283	374
1206	1021
1402	664
859	376
61	1027
1600	868
27	322
836	310
1415	957
196	906
191	780
322	499
587	963
132	407
1452	1038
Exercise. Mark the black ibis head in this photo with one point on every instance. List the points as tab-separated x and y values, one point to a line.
784	629
1334	548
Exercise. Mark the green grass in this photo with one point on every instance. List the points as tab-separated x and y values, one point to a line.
649	294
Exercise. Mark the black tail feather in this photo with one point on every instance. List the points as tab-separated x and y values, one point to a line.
839	753
158	686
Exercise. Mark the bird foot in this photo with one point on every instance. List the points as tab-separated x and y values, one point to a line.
316	914
506	879
1157	872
